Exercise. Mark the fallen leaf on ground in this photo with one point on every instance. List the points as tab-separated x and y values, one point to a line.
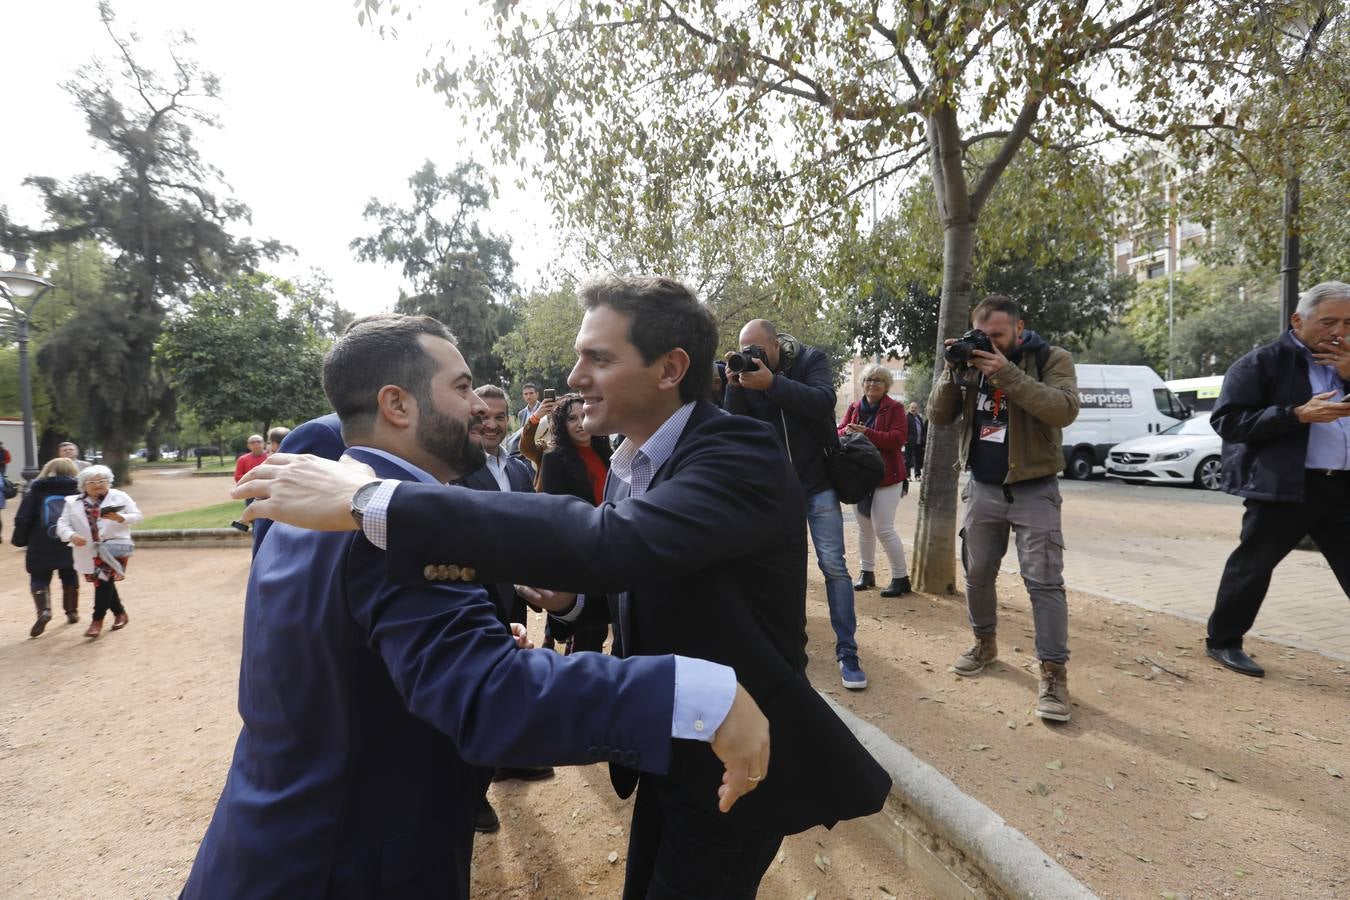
1199	814
1059	816
613	856
1055	765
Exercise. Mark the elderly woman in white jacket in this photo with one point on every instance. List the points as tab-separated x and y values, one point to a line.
97	524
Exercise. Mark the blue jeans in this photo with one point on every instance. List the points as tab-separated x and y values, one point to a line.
826	521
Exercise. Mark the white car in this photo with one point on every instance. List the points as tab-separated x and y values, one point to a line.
1187	453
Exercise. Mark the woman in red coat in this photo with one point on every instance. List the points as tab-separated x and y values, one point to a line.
884	422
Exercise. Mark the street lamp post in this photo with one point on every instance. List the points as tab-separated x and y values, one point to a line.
20	284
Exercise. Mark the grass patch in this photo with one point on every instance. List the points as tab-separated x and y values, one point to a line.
209	464
217	515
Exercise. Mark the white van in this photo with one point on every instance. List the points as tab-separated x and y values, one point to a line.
1116	403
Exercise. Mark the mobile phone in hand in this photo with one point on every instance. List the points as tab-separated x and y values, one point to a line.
550	394
110	509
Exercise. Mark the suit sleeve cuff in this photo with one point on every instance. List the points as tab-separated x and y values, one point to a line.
704	692
572	614
375	520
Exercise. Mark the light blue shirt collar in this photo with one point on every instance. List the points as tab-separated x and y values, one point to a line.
414	471
655	451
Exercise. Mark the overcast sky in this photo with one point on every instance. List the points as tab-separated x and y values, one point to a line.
318	115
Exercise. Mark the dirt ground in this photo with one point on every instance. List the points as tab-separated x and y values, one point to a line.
1200	783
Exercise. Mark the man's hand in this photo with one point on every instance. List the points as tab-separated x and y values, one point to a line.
988	363
522	639
1335	355
545	409
757	379
303	490
1321	408
77	540
742	744
550	601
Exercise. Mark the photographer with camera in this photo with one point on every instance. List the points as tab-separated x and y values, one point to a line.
1013	393
779	380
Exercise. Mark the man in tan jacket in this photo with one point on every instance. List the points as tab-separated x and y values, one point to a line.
1013	401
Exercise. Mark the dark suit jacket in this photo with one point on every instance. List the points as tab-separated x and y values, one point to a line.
368	708
510	608
693	590
1265	446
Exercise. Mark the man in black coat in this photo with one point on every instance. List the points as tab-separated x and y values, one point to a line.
703	537
791	389
1285	422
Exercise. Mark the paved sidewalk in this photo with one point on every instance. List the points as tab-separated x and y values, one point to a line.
1305	607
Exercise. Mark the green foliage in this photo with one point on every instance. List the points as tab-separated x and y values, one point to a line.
539	349
247	351
459	272
1210	341
166	228
217	515
1117	347
1191	294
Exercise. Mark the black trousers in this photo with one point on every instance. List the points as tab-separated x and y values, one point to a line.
105	599
680	852
1269	532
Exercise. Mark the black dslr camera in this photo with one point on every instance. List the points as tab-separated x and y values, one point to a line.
958	353
739	361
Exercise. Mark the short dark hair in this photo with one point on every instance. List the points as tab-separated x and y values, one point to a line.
490	392
276	434
665	315
375	351
995	303
530	386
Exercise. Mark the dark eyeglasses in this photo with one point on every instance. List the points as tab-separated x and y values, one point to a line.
874	381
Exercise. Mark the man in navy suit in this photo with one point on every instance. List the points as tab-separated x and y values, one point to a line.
370	707
505	473
702	539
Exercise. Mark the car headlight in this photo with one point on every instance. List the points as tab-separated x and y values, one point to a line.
1170	457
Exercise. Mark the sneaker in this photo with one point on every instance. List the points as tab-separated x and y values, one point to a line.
239	526
1053	701
855	679
973	661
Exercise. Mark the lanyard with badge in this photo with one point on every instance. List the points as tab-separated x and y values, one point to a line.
994	431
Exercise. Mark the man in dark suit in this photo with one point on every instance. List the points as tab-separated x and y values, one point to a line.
369	706
500	472
703	539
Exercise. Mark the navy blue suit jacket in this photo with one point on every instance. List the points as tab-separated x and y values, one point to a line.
713	557
521	478
368	709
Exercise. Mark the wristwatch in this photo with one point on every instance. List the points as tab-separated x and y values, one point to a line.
360	500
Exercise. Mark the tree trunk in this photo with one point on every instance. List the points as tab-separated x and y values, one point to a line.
935	535
118	459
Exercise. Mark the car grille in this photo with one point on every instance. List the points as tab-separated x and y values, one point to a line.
1129	459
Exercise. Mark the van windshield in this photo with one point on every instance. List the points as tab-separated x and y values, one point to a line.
1196	425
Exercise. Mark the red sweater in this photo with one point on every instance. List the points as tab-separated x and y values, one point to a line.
248	461
596	468
891	428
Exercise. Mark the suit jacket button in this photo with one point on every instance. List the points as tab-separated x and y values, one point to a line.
429	573
593	752
467	574
452	573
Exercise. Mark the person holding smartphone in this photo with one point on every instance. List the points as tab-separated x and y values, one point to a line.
97	524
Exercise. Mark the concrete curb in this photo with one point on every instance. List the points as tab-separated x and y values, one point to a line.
192	537
958	846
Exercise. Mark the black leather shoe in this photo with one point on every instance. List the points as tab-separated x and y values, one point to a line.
897	588
521	774
865	581
485	821
1234	658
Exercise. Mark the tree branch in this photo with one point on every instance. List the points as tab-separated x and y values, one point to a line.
1031	108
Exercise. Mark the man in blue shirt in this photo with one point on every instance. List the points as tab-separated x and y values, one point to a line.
1285	423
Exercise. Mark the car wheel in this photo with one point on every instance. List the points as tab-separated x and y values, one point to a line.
1080	465
1209	474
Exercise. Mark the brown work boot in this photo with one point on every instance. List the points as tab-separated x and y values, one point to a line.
95	628
119	621
70	602
1053	702
973	661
